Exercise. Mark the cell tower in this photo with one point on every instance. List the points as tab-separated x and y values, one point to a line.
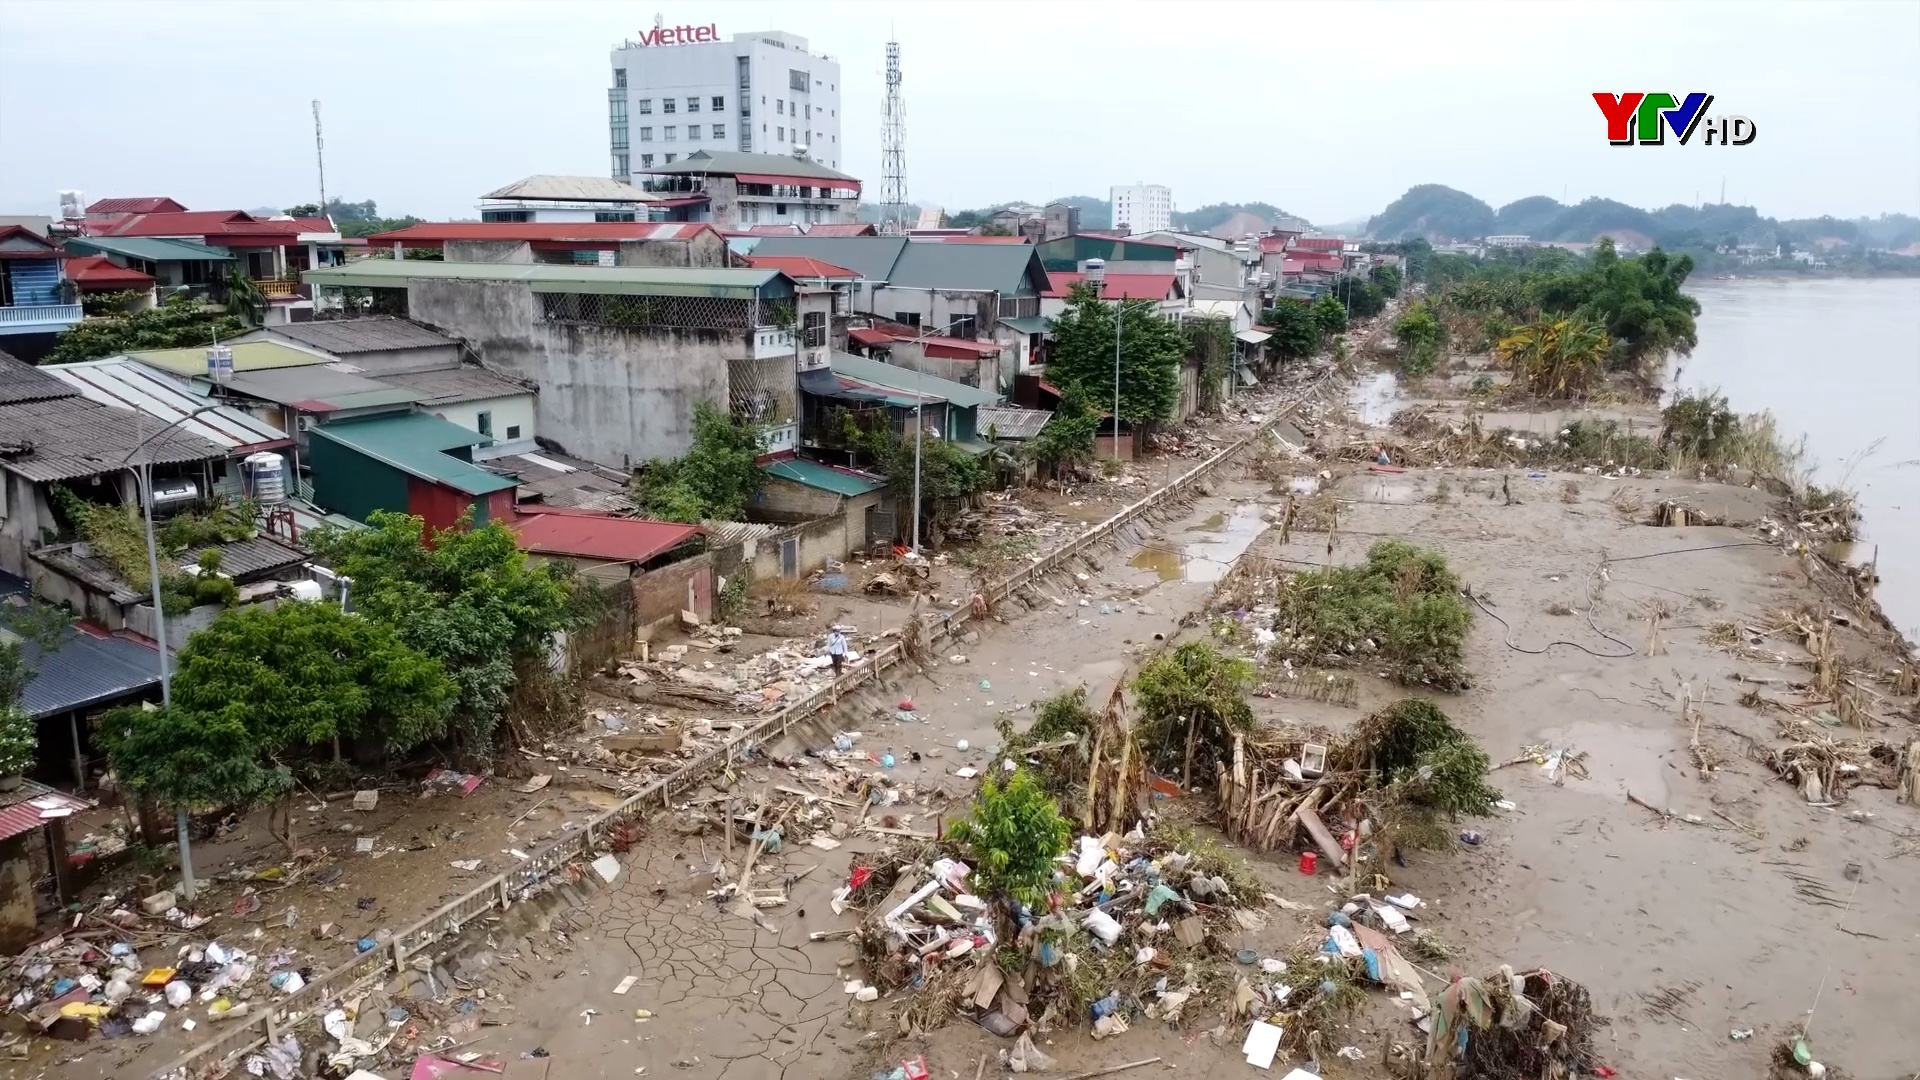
893	151
320	156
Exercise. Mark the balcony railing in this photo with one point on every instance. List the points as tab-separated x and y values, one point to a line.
278	288
39	315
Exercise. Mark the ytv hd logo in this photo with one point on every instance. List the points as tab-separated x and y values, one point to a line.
1646	118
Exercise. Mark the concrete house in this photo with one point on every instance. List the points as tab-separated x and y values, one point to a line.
271	251
36	302
732	189
619	355
172	266
547	198
607	243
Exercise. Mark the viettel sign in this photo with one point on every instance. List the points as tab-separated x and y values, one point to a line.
680	35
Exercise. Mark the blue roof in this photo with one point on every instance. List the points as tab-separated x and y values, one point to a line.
86	671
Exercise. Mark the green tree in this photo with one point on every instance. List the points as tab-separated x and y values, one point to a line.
1296	334
191	758
469	599
1329	315
179	322
1210	341
1420	336
1387	278
1013	837
1067	440
714	480
1362	299
1191	703
995	230
1151	349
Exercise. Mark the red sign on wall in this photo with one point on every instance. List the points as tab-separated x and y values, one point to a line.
680	35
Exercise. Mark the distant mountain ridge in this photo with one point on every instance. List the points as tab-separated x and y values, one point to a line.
1440	213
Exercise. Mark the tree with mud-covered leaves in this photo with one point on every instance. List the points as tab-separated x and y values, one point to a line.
1151	350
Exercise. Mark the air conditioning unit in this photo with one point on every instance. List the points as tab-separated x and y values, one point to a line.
305	423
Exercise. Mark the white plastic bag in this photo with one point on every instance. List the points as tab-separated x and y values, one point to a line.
1026	1057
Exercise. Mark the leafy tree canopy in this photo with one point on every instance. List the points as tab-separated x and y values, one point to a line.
715	479
1296	333
1151	349
470	600
178	323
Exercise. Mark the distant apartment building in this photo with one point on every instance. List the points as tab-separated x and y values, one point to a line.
681	89
1509	240
1142	208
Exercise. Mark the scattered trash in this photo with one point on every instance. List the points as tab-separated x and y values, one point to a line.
1471	838
626	984
1262	1042
366	800
607	867
1740	1034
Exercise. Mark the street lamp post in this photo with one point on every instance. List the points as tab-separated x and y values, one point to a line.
143	480
919	434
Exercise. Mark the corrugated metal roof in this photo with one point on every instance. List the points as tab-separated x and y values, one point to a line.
66	438
1121	286
247	356
100	272
320	389
21	381
1012	423
800	267
344	337
742	284
825	477
125	384
84	670
545	186
250	559
872	257
728	533
929	387
150	249
735	162
416	444
148	204
454	385
32	805
1028	324
600	536
548	479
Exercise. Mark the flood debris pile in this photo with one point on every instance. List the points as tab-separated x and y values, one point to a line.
1089	763
1111	930
1506	1026
128	975
764	682
1401	612
1401	777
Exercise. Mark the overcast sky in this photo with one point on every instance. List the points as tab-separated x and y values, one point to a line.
1327	110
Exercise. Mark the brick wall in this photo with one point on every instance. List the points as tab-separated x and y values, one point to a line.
660	595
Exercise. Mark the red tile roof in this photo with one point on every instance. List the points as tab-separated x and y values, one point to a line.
99	272
599	536
801	267
1123	286
150	204
1310	262
37	805
1318	243
871	336
1272	245
554	231
807	230
960	348
169	223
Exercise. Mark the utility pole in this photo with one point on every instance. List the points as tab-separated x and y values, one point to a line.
320	156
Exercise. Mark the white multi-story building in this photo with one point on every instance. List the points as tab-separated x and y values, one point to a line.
1142	208
678	89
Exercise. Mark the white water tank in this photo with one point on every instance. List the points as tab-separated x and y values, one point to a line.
304	591
267	477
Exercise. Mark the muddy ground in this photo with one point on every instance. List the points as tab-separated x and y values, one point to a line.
1684	932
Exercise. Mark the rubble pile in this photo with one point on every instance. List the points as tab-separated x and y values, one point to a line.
1535	1026
764	682
1135	927
127	976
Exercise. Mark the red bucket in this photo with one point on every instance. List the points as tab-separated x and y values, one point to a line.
1309	862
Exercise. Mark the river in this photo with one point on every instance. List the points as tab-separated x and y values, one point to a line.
1836	360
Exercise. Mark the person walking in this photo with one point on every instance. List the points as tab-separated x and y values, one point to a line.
837	649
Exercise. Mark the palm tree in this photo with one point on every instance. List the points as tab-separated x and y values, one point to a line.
244	298
1555	358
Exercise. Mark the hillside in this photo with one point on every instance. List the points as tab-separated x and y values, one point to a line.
1441	213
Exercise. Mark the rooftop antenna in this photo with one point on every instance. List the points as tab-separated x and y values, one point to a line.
320	156
893	151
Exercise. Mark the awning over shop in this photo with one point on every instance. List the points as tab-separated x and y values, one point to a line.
1252	337
1029	324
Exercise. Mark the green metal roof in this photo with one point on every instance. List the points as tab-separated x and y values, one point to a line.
824	477
416	444
737	284
928	387
1008	269
247	356
150	248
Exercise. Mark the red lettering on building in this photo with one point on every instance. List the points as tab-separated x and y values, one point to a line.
680	35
